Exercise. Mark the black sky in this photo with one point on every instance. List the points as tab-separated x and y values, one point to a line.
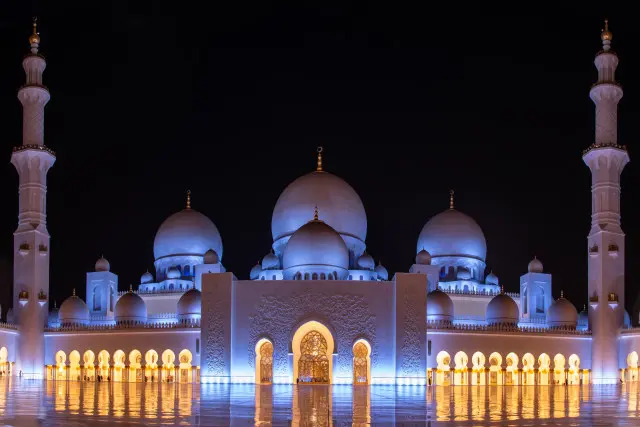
152	98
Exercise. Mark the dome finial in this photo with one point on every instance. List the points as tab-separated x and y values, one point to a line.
502	289
130	287
319	150
188	199
34	38
606	36
73	292
315	213
561	294
451	193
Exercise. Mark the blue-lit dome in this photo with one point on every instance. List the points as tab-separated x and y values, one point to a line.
316	249
190	305
453	234
338	203
502	309
73	311
562	314
439	307
382	272
187	232
270	262
146	278
211	257
130	308
366	262
492	279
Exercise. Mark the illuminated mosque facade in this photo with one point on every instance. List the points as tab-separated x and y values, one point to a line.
318	308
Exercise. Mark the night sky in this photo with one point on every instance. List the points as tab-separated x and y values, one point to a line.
149	100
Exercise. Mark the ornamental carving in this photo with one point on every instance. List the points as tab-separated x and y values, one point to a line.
411	349
277	316
214	345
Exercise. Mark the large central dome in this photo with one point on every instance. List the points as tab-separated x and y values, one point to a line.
453	234
187	232
339	204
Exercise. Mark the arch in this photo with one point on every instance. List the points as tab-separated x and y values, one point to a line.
461	361
362	362
119	359
525	293
539	299
574	370
185	357
97	301
135	366
632	366
103	364
151	365
528	373
558	369
544	363
313	346
4	361
443	370
511	377
168	366
495	369
264	361
61	371
89	358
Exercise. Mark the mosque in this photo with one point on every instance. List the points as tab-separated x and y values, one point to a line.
318	308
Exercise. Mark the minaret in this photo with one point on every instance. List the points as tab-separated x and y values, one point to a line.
606	159
32	160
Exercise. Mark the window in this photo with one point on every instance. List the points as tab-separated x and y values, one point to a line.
197	345
540	300
526	300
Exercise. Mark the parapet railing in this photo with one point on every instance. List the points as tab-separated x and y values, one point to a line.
181	325
503	328
5	325
480	293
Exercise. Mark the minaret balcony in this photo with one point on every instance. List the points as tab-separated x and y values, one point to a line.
612	300
593	301
23	298
613	250
593	251
24	249
43	250
42	298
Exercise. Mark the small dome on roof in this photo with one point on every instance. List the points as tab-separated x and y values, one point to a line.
131	308
73	311
366	262
583	318
270	261
502	309
439	306
146	278
102	264
255	272
211	257
491	279
535	266
423	257
562	314
382	272
190	305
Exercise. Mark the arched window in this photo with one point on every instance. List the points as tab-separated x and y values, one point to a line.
187	271
526	300
314	363
97	306
540	300
323	276
314	276
360	353
170	286
266	362
112	298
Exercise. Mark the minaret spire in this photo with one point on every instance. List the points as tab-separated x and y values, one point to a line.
319	161
451	193
188	199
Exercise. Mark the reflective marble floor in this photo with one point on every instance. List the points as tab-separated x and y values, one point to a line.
37	403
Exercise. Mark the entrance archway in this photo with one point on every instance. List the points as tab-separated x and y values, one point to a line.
478	376
574	369
135	366
103	364
74	366
495	369
528	371
185	357
313	347
460	373
151	365
61	359
119	359
632	367
443	371
511	377
168	368
558	369
264	361
89	365
4	361
543	369
361	363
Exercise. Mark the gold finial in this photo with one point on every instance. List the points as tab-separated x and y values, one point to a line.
561	294
73	293
502	289
188	199
34	38
451	193
606	35
130	287
319	150
315	213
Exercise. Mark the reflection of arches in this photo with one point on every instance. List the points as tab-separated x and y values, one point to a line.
460	376
322	344
574	369
361	362
185	359
264	361
443	371
544	363
151	365
632	366
558	369
511	377
168	367
477	372
495	369
103	364
528	373
135	366
119	360
89	364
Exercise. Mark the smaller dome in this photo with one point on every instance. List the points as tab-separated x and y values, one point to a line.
463	274
366	262
211	257
492	279
73	311
439	306
583	318
270	261
146	278
131	308
255	272
423	257
502	309
382	272
535	266
189	305
102	264
562	314
173	273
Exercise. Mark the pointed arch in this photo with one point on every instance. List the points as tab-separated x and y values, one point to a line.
313	346
361	362
264	361
185	373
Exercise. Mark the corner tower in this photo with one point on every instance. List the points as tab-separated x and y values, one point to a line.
32	160
606	160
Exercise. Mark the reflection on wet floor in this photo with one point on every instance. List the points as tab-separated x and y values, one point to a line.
31	403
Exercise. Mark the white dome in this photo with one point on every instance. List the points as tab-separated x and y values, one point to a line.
187	232
452	233
73	311
439	306
382	272
255	272
146	278
131	308
102	264
190	305
491	279
211	257
173	273
338	203
502	309
561	314
535	266
270	261
316	248
423	257
366	262
583	318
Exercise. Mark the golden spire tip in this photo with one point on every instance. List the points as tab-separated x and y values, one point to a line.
315	213
562	294
188	199
606	35
34	38
319	150
130	287
73	293
451	193
502	289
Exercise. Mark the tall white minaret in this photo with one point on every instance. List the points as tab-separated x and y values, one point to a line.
606	159
32	160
